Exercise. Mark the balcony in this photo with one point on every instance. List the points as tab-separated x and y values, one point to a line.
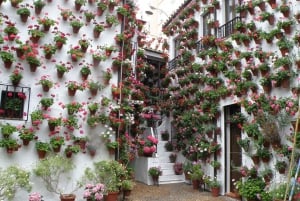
227	29
223	31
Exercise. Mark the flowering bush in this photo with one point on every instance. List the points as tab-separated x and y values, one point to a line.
94	192
35	197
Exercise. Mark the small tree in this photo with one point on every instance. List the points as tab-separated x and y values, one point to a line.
12	179
52	171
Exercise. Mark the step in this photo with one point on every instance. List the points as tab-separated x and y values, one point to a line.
171	178
166	166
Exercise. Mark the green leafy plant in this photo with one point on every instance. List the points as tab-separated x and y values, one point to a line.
76	23
13	179
23	11
49	49
106	172
43	146
251	187
56	141
26	133
7	129
73	107
72	148
214	183
127	184
46	21
39	3
112	144
7	56
154	171
46	102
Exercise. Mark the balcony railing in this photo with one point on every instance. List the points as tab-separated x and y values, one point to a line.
222	32
173	63
227	29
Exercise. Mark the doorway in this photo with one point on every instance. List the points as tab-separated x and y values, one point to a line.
233	156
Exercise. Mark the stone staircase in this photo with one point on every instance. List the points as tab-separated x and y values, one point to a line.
161	159
168	176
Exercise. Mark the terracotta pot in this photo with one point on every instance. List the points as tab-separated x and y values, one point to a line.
41	154
45	88
8	64
112	196
59	45
155	180
24	18
94	92
77	6
215	191
196	184
126	193
67	197
35	39
96	34
25	142
51	127
60	74
71	92
46	28
33	67
38	10
75	29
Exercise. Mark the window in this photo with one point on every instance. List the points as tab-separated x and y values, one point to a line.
229	10
13	102
206	28
177	46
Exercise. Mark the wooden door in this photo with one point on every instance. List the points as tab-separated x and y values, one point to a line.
233	156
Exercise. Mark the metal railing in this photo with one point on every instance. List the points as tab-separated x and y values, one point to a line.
222	32
227	29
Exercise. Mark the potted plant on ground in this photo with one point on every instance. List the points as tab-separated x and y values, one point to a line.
251	187
214	185
196	175
94	192
165	135
108	173
13	178
173	157
127	186
52	171
187	169
178	168
155	172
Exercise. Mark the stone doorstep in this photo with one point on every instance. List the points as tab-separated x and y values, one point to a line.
232	196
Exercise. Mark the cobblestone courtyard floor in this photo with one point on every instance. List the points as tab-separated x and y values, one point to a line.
171	192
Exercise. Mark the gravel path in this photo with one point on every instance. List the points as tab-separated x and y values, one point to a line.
171	192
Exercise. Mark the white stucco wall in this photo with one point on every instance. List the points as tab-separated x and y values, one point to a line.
27	156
